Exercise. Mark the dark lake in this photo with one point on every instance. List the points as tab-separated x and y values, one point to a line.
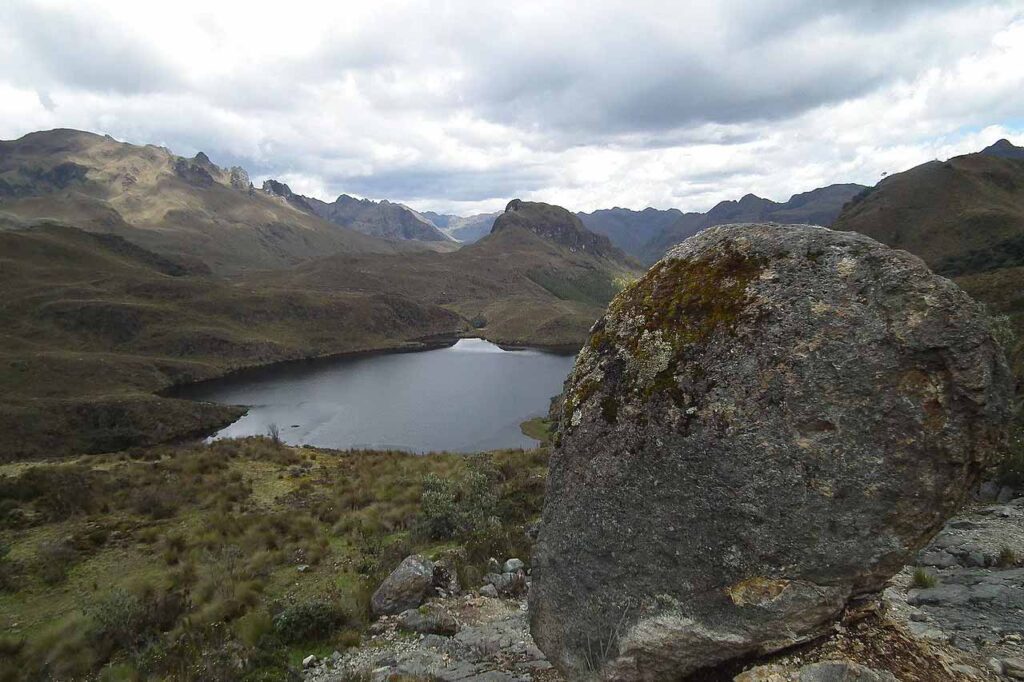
469	397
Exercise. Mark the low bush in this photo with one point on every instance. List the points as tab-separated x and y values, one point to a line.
54	559
310	620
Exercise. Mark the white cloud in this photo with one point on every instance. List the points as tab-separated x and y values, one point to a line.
462	105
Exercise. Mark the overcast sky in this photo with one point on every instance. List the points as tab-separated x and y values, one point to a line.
460	106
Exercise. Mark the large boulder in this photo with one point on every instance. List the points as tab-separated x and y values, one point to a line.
407	587
767	425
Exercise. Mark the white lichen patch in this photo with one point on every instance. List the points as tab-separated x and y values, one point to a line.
654	354
846	266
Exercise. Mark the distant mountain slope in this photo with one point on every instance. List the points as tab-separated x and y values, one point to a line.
189	209
375	218
539	278
630	230
1004	149
465	229
964	217
817	207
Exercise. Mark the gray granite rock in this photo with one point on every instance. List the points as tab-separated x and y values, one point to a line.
772	420
407	587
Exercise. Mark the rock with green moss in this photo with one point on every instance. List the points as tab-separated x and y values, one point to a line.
767	425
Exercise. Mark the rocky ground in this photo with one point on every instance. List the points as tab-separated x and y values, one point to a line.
968	625
492	644
977	602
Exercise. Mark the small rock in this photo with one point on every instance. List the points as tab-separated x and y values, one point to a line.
513	565
1005	494
489	590
309	661
996	665
988	491
493	566
968	670
336	656
938	559
1013	668
949	594
508	584
428	621
303	568
826	671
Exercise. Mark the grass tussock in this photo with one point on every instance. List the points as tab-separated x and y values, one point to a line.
227	561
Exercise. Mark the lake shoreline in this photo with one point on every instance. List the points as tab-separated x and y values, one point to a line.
332	415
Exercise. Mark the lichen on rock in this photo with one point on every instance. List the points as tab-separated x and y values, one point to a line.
766	425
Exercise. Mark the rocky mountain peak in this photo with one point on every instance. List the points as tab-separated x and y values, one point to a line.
1004	149
555	224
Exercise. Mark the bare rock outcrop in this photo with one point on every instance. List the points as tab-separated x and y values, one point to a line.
768	425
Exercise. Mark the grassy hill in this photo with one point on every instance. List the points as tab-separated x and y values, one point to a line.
92	325
965	218
188	209
235	560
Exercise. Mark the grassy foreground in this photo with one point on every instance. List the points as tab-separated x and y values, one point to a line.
233	560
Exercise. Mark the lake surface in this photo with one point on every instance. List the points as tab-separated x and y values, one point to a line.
469	397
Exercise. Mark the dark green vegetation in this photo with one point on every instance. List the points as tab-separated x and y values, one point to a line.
965	218
234	560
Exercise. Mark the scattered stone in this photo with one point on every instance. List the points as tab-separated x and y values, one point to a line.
428	620
302	568
1013	667
309	661
508	584
513	565
825	671
758	377
407	587
489	590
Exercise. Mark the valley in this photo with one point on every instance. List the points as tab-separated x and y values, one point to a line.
128	274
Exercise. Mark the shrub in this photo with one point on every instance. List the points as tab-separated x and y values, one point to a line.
55	558
459	508
119	619
1007	557
309	620
123	620
923	579
254	626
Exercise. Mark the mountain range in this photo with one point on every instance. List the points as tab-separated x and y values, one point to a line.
187	209
126	269
649	233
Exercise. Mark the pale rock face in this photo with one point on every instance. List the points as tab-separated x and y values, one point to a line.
768	424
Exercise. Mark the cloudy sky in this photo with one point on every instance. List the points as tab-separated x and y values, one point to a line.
459	106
